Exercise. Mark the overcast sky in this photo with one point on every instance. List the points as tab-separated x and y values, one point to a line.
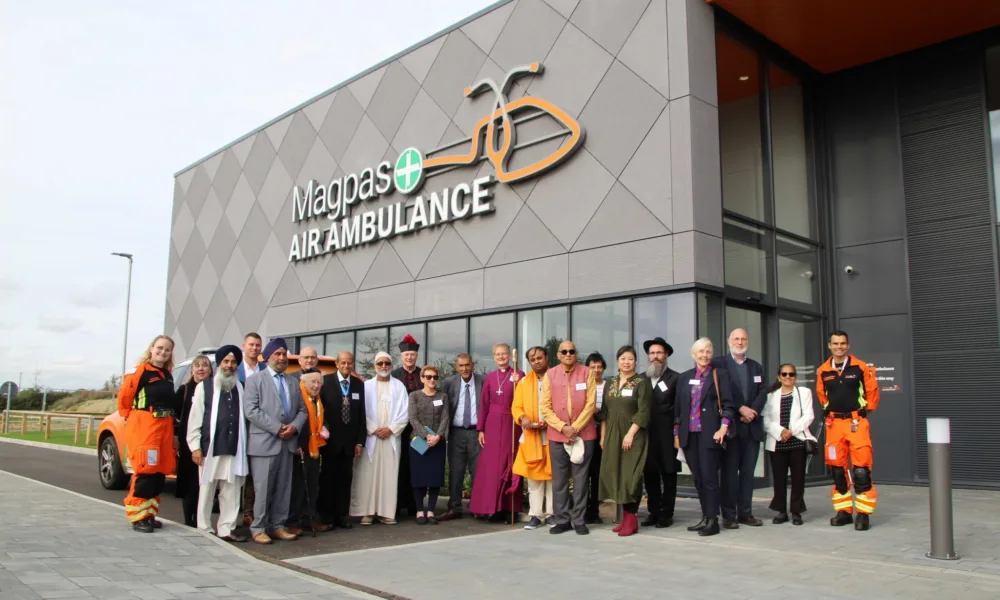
101	103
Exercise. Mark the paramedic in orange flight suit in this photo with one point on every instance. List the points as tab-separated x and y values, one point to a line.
848	391
146	401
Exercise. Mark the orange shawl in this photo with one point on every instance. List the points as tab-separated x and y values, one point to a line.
315	410
532	457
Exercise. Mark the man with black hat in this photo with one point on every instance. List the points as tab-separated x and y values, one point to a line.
217	433
662	465
409	374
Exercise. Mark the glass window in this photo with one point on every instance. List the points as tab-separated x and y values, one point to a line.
180	375
313	341
709	322
753	322
369	343
747	252
738	72
601	327
668	317
445	340
339	342
793	207
546	327
801	343
993	106
798	265
486	331
396	335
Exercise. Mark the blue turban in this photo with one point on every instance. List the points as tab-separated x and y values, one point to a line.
225	351
274	345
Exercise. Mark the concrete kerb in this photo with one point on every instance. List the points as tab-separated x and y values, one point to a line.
297	571
49	446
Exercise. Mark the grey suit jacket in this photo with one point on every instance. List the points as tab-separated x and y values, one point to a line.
453	387
265	415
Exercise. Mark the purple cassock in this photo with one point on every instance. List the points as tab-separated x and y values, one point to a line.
490	489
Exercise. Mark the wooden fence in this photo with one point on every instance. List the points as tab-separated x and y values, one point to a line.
22	421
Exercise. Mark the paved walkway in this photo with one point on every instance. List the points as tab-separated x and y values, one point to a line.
771	562
59	544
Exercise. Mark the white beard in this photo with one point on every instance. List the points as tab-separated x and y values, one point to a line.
224	382
655	369
383	374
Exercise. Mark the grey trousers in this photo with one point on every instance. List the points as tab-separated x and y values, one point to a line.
463	453
562	470
272	488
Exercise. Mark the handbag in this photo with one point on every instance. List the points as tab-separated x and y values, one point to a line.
811	446
730	431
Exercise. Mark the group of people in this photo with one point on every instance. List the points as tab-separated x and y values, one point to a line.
304	450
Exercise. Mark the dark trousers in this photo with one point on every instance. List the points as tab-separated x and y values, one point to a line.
781	462
463	454
335	480
303	507
404	493
737	481
562	469
594	475
661	489
705	464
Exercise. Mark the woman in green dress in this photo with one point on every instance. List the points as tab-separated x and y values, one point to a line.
624	418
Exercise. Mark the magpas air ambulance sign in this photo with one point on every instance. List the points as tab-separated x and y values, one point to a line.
493	139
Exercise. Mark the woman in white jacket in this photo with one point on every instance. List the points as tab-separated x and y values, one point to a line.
788	415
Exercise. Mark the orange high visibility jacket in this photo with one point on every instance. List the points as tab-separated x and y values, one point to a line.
849	390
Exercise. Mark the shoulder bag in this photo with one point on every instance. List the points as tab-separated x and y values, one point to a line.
730	431
811	446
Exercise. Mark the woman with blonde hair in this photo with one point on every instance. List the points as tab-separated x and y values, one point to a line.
146	400
187	471
702	413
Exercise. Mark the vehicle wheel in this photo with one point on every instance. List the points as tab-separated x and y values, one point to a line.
113	476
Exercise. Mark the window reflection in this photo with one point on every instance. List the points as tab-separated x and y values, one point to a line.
396	335
751	321
668	317
993	106
798	264
313	341
710	317
339	342
484	333
601	327
544	327
369	343
793	209
800	341
445	340
747	251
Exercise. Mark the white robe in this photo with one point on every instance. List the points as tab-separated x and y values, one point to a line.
217	468
376	471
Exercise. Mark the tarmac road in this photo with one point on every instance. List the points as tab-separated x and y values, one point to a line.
78	473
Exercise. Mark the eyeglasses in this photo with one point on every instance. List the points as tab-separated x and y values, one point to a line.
431	377
569	352
788	374
383	363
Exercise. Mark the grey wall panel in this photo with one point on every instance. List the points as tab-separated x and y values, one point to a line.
882	341
621	218
697	257
393	303
621	267
691	42
461	292
333	312
647	175
878	285
573	68
392	99
696	188
525	282
526	239
646	50
608	22
387	269
528	35
288	319
485	30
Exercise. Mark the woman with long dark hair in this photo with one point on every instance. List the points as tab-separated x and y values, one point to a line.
787	416
187	471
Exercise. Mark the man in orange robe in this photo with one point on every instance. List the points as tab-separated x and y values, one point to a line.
533	462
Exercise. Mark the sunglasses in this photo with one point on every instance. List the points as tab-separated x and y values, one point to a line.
383	363
567	352
431	377
788	374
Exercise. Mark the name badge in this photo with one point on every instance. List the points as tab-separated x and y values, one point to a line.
439	403
581	387
757	379
663	386
695	382
626	393
355	396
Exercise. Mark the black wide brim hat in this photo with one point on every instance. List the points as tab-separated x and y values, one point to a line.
658	341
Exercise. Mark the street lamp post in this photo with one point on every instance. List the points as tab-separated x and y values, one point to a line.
128	299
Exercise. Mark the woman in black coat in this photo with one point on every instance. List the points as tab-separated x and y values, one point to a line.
187	471
703	410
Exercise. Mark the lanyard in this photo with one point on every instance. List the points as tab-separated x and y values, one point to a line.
840	370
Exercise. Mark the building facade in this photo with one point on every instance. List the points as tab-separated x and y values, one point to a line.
612	171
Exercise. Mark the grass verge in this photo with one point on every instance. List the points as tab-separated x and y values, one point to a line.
64	438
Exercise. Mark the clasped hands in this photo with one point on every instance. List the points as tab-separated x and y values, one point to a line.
747	414
432	440
287	432
528	424
383	433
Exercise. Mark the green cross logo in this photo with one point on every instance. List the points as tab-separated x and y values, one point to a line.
409	171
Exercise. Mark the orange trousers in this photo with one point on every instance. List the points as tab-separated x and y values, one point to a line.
843	444
149	444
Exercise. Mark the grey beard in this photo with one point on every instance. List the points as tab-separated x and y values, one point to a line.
655	369
382	374
225	382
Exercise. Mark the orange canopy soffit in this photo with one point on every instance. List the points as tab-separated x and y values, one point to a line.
831	35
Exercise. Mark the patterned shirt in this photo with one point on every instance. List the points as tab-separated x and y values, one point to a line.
694	423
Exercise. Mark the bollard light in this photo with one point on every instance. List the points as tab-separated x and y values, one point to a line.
939	478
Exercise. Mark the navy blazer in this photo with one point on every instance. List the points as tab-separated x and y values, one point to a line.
710	418
757	394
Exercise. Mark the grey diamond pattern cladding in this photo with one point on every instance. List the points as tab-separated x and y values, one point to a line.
254	236
198	191
251	308
334	279
189	321
393	97
454	70
240	203
529	34
297	144
485	30
289	290
192	257
258	163
221	247
526	239
226	177
366	149
387	269
340	124
621	218
573	70
609	22
217	316
423	125
565	200
275	190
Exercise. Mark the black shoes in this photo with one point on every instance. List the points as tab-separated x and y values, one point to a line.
560	528
664	522
342	523
710	528
730	524
841	518
156	523
861	522
781	518
650	521
581	529
796	519
593	520
750	520
144	526
699	525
